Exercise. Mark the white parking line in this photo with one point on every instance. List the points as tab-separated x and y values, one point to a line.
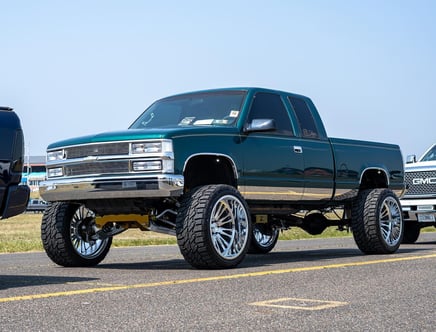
299	304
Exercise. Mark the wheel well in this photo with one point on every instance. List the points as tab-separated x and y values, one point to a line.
209	169
374	178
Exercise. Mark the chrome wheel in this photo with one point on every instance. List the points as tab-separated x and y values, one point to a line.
262	239
83	234
213	227
229	227
377	221
390	221
70	236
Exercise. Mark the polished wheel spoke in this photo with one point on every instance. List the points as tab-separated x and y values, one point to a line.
390	221
82	228
261	238
228	227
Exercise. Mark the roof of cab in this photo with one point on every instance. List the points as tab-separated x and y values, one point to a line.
247	89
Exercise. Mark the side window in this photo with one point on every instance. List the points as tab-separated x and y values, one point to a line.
270	106
305	118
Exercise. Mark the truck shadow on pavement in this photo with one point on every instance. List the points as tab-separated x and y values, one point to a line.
426	242
321	255
261	260
20	281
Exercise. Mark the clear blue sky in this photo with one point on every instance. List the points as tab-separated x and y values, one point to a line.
72	68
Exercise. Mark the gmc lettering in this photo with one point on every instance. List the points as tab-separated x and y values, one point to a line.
424	181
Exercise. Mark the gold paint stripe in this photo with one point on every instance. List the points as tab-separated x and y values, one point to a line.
213	278
270	192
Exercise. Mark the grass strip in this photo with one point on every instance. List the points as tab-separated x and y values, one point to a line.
23	234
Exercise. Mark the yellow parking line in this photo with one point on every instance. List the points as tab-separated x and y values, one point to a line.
213	278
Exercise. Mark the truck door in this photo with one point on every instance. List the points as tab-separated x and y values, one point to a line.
273	163
316	151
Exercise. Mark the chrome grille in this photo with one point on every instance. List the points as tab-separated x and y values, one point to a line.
104	149
107	167
423	189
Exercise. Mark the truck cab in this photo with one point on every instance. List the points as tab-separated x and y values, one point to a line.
13	196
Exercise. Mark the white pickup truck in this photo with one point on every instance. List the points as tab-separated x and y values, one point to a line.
419	202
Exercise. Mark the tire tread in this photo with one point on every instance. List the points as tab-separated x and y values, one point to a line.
56	238
365	223
192	237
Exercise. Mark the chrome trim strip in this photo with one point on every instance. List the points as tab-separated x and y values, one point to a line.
375	168
146	186
419	168
271	193
416	202
317	194
63	162
128	141
285	193
339	192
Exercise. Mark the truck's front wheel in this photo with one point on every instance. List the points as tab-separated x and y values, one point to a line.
213	227
69	235
377	221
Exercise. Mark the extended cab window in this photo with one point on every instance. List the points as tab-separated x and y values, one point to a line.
270	106
305	118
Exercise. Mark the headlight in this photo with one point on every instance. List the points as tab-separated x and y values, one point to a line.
152	165
55	155
166	166
54	172
152	147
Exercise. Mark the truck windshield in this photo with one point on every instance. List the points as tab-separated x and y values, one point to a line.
430	155
220	108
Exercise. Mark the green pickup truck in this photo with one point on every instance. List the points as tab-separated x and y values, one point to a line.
224	171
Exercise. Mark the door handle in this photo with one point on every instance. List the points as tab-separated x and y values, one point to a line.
298	149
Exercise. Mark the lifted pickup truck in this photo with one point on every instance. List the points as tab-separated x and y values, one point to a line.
224	170
13	196
419	203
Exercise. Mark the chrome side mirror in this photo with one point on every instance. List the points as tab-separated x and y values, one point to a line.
411	159
258	125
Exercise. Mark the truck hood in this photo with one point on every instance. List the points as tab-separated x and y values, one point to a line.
420	166
143	134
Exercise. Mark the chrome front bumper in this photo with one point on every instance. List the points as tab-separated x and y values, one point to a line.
147	186
421	210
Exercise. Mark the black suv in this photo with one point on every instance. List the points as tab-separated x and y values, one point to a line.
13	196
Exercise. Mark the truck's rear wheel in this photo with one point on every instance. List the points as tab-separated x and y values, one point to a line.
411	232
377	221
68	233
213	227
264	239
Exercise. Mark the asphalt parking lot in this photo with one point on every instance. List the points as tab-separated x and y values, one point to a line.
303	285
